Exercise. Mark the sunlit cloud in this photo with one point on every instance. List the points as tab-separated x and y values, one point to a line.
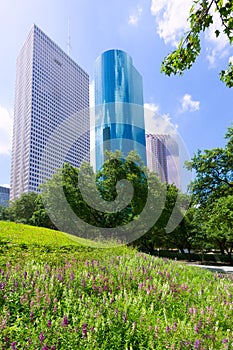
188	104
6	126
135	17
172	24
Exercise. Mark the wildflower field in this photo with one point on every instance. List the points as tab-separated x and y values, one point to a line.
57	294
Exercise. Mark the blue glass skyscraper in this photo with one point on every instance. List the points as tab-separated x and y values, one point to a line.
119	113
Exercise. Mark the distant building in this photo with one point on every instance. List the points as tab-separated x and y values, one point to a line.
119	113
163	158
4	196
50	87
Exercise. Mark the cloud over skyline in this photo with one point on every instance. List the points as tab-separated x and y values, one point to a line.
6	126
135	17
188	104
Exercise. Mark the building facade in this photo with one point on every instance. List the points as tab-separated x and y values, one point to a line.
4	196
163	158
50	87
119	113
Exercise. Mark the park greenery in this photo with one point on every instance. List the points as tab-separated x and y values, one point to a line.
56	293
207	222
201	17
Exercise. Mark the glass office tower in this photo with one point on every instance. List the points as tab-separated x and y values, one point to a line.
119	113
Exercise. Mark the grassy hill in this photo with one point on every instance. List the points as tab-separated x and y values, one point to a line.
56	293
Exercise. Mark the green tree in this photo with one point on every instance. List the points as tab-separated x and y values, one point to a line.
182	236
3	213
212	192
219	225
201	18
40	217
22	209
214	174
93	196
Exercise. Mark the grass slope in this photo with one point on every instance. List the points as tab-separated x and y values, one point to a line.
74	297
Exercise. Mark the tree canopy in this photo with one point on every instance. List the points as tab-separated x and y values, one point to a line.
189	47
212	192
214	172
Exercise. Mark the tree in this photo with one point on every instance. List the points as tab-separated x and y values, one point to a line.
201	18
212	192
22	209
214	173
40	217
219	226
114	198
182	236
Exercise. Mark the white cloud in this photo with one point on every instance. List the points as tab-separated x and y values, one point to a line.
231	59
152	107
171	18
157	124
6	128
171	24
135	17
5	185
189	105
216	47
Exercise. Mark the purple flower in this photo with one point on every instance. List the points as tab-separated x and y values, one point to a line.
197	344
83	283
49	323
31	316
41	337
84	330
65	321
13	345
168	329
225	341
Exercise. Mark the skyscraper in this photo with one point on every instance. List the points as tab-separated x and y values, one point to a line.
50	87
163	158
119	113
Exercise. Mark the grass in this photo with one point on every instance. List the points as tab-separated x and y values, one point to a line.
58	294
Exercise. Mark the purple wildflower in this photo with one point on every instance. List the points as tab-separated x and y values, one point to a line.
197	344
65	321
31	316
13	345
41	337
49	323
84	330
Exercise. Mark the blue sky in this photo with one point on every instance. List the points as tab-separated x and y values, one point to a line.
198	103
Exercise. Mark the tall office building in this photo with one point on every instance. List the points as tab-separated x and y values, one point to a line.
163	158
119	113
50	87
